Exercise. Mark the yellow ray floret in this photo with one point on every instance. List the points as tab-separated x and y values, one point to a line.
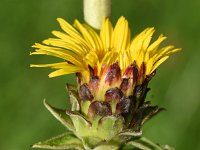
80	45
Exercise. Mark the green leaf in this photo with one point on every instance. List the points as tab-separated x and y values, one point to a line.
126	135
60	115
130	132
149	112
106	147
143	114
139	145
64	141
74	98
81	125
90	142
75	106
110	126
167	147
85	107
144	144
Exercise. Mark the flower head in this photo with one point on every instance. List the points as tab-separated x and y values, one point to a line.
108	59
113	70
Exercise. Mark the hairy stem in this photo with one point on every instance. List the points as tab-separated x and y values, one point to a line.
95	11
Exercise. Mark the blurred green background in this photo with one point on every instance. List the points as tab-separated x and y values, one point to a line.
23	118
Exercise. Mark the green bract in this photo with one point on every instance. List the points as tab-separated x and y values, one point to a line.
99	132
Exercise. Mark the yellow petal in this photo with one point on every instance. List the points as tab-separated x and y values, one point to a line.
64	68
121	35
65	71
71	40
71	30
91	58
158	63
58	52
53	65
64	44
155	44
87	36
95	37
106	34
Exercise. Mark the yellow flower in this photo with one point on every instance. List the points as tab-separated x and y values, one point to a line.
83	50
113	71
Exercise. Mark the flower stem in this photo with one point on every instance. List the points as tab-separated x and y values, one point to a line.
95	11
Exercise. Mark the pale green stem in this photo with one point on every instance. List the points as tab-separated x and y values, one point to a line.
157	147
145	144
95	11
